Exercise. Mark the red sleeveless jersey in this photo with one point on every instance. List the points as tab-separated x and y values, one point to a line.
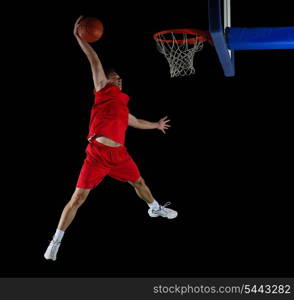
109	114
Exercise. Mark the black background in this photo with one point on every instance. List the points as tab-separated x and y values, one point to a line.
225	164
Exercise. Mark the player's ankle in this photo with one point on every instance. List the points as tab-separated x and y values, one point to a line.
58	236
154	205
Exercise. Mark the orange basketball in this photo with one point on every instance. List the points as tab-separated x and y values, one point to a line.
90	29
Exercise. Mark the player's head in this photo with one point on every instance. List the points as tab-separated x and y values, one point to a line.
113	78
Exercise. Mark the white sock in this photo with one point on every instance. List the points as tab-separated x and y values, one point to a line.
58	235
154	205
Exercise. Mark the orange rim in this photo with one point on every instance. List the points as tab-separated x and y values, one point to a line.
200	36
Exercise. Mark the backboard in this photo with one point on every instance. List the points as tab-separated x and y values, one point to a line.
219	16
228	39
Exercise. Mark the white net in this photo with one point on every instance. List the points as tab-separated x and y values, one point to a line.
179	52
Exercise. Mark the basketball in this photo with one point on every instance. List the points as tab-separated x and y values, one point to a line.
90	29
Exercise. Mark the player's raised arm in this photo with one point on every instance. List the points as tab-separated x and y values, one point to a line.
98	74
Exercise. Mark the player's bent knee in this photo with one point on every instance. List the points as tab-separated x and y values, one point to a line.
138	183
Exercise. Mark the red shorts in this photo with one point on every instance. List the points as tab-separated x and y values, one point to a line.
103	160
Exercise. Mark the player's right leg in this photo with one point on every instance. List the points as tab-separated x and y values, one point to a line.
93	171
78	198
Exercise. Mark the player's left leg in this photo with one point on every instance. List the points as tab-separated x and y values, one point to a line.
126	169
142	190
155	209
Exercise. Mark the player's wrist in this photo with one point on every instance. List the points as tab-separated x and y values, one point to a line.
76	35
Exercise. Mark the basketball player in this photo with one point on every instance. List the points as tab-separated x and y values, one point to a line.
106	153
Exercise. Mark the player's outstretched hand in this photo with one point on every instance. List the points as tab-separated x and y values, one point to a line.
162	124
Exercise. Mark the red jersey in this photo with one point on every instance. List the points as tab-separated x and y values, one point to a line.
109	114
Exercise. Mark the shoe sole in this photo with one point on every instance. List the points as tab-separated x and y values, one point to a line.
155	216
49	258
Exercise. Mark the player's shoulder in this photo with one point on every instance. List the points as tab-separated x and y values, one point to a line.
101	86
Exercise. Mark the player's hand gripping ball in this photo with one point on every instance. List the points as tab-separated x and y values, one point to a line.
90	29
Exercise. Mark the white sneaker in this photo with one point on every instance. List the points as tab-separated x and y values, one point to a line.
52	250
163	212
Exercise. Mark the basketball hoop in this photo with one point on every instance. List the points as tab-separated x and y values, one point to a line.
179	47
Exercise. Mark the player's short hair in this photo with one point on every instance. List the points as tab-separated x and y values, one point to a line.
109	70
